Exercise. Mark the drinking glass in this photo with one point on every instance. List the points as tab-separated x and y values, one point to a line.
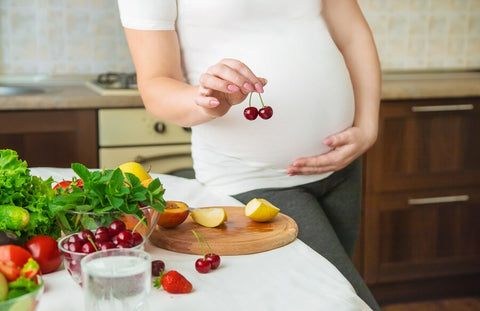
116	279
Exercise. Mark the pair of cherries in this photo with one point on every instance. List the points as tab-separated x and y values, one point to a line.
251	113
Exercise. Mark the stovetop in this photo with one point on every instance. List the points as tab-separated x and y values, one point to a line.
113	83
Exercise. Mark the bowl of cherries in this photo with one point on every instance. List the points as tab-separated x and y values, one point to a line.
76	246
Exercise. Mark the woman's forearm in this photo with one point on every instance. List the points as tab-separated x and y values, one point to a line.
156	55
354	39
172	100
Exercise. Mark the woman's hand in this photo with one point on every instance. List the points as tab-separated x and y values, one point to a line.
346	147
225	84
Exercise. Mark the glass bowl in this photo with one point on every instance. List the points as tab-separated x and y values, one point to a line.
27	302
71	260
74	221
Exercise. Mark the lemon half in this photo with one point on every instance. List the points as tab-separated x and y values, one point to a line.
135	169
209	217
261	210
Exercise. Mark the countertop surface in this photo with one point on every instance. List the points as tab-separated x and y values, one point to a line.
395	86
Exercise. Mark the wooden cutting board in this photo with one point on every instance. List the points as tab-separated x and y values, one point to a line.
237	236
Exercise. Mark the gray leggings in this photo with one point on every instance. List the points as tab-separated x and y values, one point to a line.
328	216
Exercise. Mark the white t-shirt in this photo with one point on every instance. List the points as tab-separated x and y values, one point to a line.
287	43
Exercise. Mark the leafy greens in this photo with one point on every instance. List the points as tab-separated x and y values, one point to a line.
19	188
107	191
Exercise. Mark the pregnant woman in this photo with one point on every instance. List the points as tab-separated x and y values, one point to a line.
314	62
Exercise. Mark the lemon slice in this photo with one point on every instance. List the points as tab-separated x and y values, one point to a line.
209	217
261	210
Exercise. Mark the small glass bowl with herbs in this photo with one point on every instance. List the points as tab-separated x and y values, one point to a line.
98	197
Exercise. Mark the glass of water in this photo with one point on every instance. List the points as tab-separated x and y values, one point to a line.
116	279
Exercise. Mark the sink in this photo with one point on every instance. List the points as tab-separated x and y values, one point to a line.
19	90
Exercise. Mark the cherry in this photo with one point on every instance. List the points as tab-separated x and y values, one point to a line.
210	260
137	238
102	236
73	238
75	247
125	237
214	260
250	113
266	112
158	266
88	248
116	227
115	240
85	235
106	245
203	265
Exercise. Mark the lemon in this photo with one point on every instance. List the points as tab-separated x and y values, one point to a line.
209	217
135	169
261	210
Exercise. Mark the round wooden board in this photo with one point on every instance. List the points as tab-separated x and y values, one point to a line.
237	236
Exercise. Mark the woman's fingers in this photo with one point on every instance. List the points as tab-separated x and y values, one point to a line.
240	67
229	76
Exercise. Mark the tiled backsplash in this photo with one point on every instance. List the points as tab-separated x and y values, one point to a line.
425	34
85	36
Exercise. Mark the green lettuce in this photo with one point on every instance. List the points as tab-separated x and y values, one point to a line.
18	187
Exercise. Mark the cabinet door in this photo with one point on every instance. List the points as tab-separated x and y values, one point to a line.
422	187
425	145
422	234
53	138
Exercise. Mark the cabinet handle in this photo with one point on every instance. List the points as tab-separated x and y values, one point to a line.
442	108
159	127
433	200
141	159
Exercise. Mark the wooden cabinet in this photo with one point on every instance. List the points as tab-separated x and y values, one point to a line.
422	193
53	138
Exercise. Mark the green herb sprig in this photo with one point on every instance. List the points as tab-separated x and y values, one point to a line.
107	191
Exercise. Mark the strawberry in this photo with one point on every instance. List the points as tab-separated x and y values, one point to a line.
174	283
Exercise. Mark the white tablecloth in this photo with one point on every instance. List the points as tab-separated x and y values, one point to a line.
293	277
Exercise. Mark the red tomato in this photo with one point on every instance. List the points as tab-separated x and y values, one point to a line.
44	250
65	183
9	270
18	255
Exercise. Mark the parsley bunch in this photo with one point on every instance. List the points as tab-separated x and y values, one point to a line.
105	191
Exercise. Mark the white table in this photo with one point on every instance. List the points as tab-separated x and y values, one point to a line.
293	277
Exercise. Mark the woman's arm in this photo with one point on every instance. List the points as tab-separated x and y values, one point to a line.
156	55
354	39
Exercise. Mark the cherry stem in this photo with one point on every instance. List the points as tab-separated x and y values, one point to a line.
199	242
138	223
261	99
93	243
205	241
250	100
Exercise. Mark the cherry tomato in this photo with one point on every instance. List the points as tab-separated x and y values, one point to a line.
44	250
65	183
14	253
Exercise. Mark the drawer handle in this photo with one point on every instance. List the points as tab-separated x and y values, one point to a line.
434	200
141	159
160	127
442	108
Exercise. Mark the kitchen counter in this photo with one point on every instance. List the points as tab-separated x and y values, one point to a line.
430	85
67	97
395	86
